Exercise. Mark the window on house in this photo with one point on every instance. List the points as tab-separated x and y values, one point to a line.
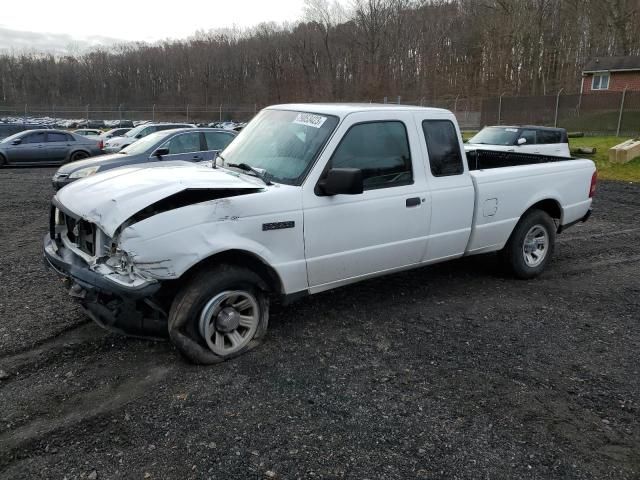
600	82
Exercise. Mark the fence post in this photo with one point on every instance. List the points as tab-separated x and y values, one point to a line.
119	114
500	108
87	114
220	113
187	112
555	121
53	111
385	100
399	99
455	105
624	94
24	119
153	113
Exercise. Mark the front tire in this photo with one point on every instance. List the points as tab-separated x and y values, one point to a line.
531	245
219	314
3	161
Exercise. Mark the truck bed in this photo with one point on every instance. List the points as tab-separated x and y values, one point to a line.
486	159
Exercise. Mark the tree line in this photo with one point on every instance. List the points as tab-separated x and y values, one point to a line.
372	48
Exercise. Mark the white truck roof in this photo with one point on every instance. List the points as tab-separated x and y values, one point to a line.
344	109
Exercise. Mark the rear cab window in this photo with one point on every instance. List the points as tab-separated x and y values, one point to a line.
443	147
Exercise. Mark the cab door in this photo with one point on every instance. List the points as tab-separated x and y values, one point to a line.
350	237
450	185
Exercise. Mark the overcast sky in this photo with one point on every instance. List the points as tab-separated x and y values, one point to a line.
39	25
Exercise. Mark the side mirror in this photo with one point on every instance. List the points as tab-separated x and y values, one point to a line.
161	152
342	181
17	141
522	141
139	135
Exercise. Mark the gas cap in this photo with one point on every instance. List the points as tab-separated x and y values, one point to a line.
490	207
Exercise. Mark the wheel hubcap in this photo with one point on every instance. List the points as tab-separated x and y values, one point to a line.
535	246
229	321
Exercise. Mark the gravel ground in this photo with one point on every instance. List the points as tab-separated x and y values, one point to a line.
452	371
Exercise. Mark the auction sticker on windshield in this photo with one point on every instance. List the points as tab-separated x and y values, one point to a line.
514	130
310	120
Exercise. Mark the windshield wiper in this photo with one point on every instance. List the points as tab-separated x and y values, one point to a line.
248	168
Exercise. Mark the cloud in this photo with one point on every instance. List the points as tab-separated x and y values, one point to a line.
18	41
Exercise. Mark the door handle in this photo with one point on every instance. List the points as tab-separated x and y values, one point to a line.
197	157
413	202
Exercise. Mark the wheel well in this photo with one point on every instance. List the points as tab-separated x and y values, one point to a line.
241	258
3	159
78	150
552	207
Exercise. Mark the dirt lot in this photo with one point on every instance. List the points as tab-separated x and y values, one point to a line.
453	371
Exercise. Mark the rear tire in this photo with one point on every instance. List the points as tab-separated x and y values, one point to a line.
531	245
75	156
219	314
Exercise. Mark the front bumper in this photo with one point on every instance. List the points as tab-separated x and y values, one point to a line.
115	149
127	310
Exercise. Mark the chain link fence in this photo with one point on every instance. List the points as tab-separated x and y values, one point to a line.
614	113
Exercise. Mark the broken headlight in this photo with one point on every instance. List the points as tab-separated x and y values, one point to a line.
120	262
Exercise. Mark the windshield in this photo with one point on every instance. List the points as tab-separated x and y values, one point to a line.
135	131
496	136
144	144
285	144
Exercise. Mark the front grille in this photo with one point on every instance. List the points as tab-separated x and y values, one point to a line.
79	231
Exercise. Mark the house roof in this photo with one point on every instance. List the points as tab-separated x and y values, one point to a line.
612	64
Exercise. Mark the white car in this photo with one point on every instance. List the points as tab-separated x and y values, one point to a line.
527	139
92	133
307	198
115	144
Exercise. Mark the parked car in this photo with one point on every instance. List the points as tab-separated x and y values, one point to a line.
527	139
194	145
91	124
116	144
114	132
89	132
46	147
8	129
308	198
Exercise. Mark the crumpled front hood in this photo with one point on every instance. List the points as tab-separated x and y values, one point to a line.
108	199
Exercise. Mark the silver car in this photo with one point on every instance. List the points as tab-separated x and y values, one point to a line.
186	144
46	147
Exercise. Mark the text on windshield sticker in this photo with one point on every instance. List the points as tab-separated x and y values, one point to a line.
310	120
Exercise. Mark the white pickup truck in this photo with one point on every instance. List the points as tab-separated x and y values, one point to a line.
307	198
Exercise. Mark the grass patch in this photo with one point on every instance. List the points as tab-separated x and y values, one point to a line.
607	170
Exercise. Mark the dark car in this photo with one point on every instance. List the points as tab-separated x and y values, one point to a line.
8	129
46	147
190	144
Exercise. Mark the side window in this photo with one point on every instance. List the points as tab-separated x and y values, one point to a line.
549	136
529	136
37	137
380	150
147	131
185	143
56	137
443	147
217	140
